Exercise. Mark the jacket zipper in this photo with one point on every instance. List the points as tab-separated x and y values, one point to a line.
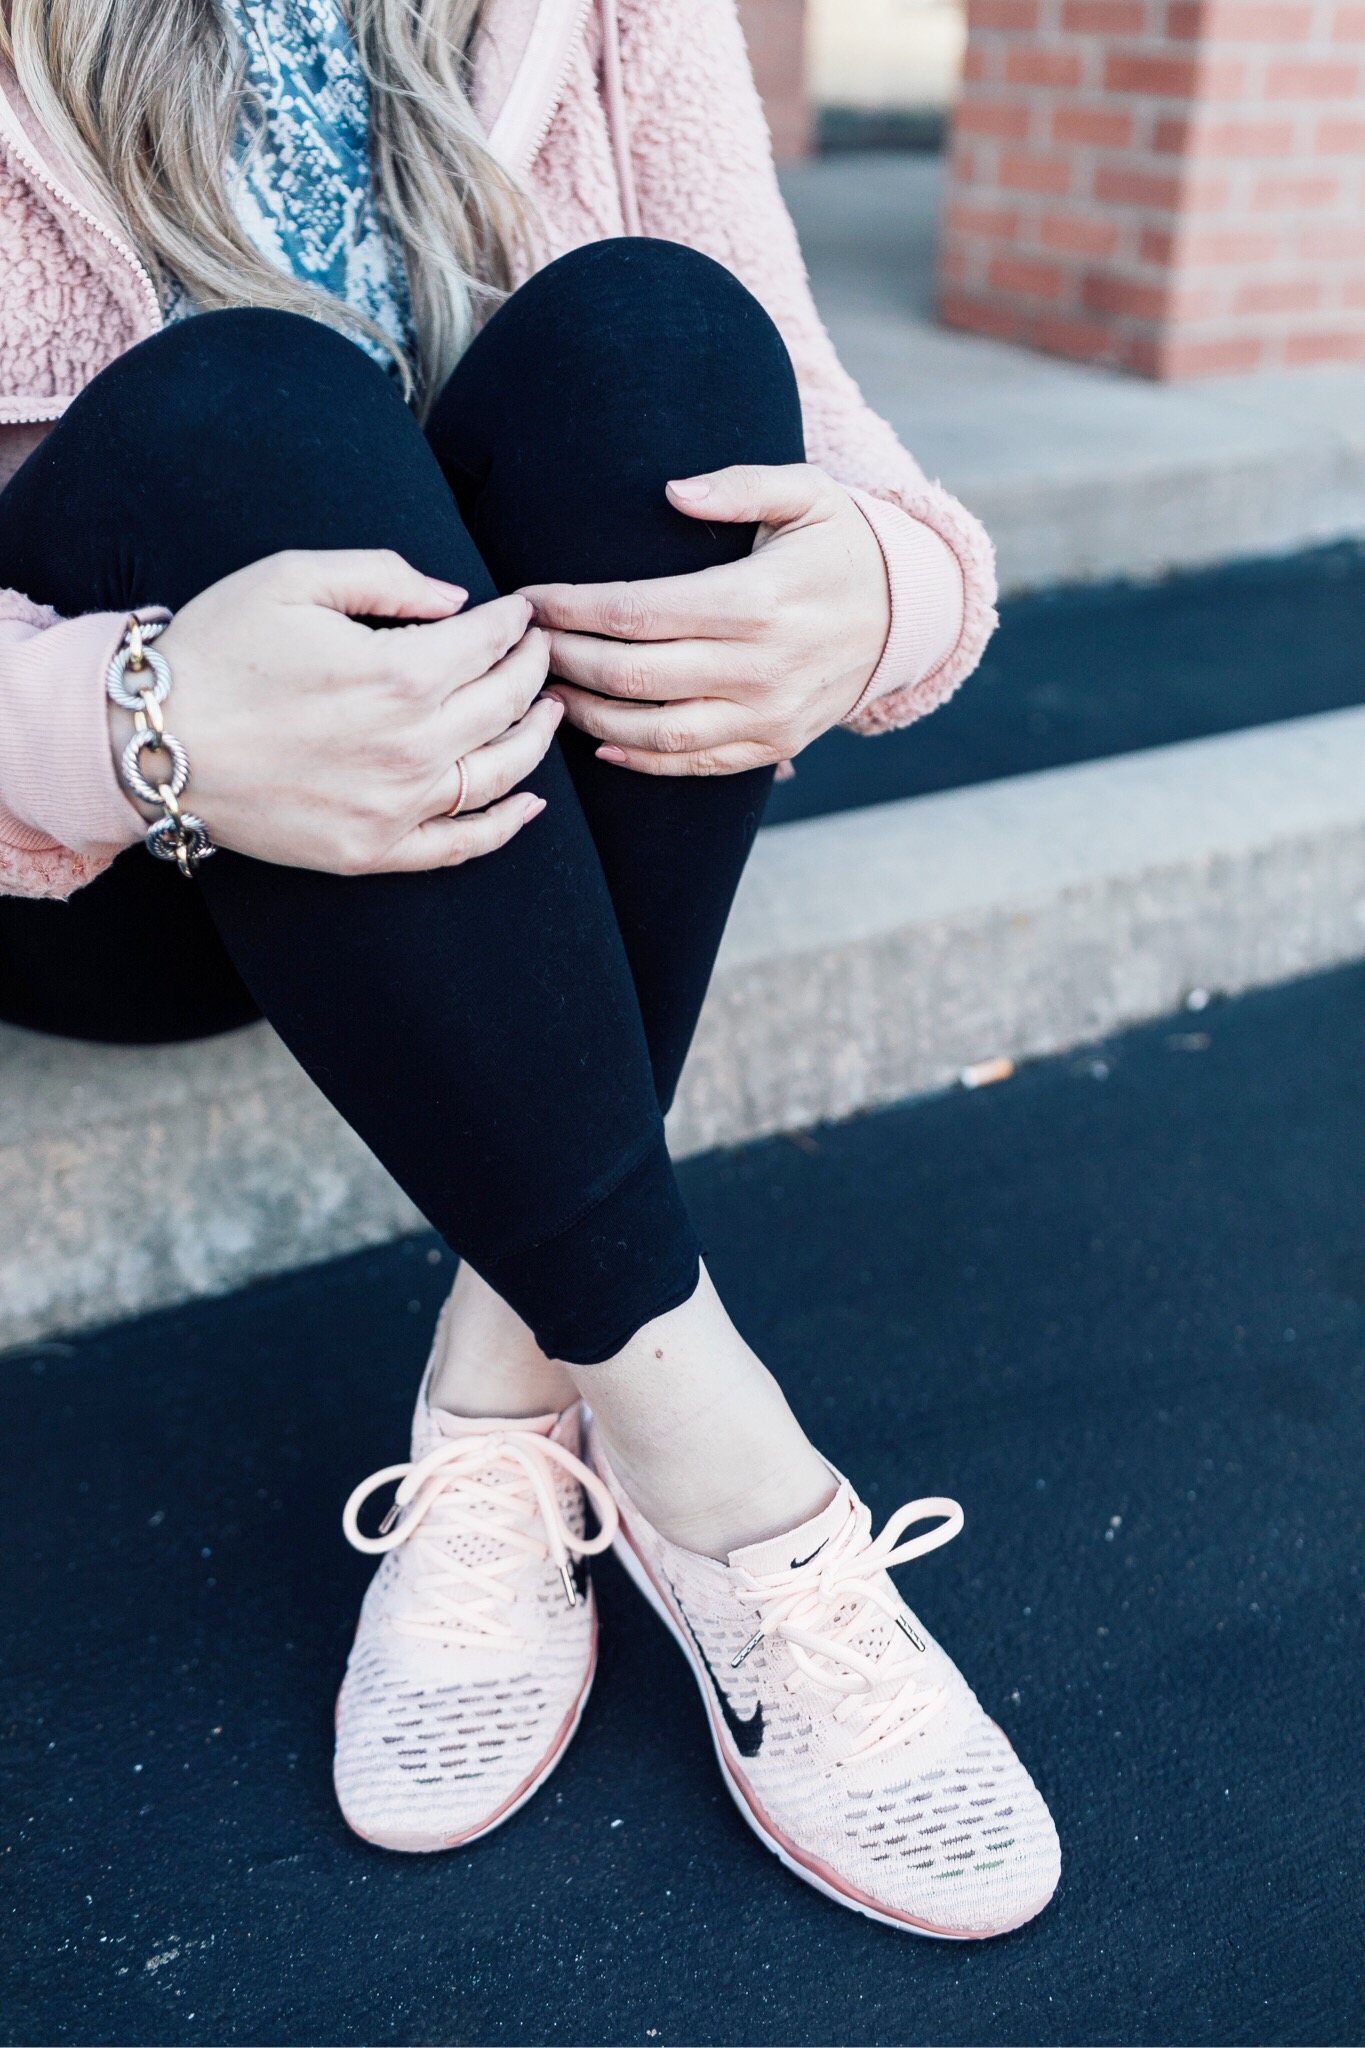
616	116
585	8
55	408
83	213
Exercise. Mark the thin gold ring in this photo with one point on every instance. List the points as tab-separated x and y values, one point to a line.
458	804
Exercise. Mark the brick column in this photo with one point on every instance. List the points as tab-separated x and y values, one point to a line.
775	31
1173	186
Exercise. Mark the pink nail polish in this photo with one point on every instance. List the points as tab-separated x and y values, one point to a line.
451	590
612	754
535	805
693	490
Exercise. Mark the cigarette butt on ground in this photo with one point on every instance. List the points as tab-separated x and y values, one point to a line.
984	1072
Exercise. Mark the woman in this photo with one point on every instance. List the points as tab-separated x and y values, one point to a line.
269	494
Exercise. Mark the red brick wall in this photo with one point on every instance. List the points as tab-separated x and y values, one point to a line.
775	33
1173	186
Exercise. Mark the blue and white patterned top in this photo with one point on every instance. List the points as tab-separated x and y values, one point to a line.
301	187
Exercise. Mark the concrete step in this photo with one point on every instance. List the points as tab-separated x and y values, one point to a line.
1077	472
872	956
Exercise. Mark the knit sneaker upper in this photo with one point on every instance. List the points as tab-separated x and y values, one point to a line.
477	1634
852	1741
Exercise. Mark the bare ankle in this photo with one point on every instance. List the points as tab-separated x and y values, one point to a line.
715	1518
488	1363
700	1434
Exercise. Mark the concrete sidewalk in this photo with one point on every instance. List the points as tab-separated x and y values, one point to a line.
1077	472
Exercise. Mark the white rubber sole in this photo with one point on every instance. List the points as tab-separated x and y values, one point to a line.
810	1869
413	1845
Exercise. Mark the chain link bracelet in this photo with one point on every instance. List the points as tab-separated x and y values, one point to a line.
177	835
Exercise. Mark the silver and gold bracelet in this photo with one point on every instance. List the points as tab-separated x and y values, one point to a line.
139	680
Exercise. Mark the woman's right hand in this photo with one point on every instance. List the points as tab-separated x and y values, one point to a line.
317	742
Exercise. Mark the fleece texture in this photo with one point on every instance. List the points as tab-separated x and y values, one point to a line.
645	113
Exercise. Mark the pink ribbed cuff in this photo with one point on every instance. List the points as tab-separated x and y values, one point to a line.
927	598
58	787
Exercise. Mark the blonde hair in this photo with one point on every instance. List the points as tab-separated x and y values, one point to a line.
147	96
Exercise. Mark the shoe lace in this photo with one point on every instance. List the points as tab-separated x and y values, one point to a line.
498	1489
819	1609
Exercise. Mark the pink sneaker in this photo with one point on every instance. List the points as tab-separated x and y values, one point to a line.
477	1639
851	1743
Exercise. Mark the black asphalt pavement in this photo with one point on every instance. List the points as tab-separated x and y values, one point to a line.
1078	673
1116	1305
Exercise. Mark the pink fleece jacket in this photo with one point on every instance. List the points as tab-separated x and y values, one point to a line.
618	116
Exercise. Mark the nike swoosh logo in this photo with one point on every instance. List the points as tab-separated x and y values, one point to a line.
797	1562
747	1735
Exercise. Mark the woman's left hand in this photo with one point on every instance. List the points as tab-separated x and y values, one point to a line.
732	667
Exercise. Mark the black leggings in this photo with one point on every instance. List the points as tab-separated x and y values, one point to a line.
504	1035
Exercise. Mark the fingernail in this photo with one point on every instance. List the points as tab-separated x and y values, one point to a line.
692	490
533	808
450	590
612	754
558	703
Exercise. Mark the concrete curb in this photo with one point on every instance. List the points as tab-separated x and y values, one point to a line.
1081	475
871	956
874	954
1173	515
